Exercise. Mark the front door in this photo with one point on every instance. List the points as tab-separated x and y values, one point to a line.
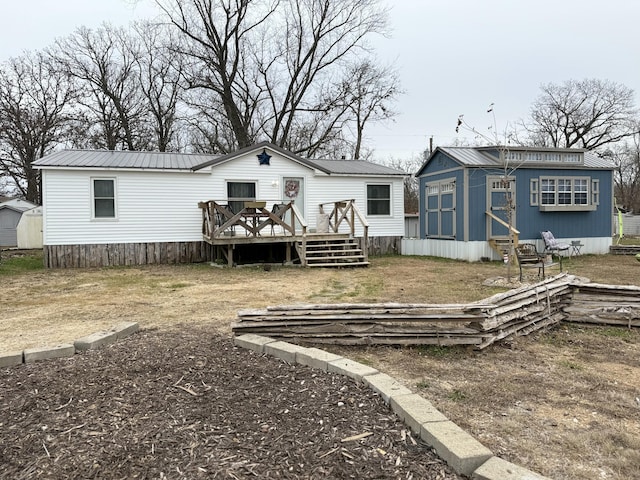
293	191
501	195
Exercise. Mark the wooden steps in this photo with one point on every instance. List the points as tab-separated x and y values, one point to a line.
500	245
335	251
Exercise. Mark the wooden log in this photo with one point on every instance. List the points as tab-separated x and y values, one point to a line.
523	329
388	306
369	328
334	340
563	278
597	320
351	317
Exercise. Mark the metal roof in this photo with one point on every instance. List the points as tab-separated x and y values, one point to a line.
123	159
126	159
356	167
479	157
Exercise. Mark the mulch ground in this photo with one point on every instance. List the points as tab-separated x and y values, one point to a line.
188	404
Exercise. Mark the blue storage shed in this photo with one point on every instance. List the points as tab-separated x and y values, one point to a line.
470	196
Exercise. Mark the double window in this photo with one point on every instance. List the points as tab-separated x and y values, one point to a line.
104	198
564	193
379	199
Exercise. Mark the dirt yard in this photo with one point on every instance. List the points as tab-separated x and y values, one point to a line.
565	402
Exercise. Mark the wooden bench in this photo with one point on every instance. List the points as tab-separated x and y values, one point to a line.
528	257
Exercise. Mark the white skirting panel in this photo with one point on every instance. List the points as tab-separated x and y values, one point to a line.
469	251
475	251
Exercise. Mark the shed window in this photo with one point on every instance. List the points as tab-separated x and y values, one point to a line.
104	198
595	192
533	192
378	199
564	193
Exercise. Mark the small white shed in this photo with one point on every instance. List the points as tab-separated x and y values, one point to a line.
29	230
10	213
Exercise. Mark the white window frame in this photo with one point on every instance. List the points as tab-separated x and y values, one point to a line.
389	200
115	199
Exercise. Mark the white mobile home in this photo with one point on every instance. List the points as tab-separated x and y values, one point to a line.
120	207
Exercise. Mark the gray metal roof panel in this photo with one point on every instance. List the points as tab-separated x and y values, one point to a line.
470	156
180	161
123	159
355	167
479	157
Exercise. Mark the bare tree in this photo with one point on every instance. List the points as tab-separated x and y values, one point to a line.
370	89
35	117
104	63
271	69
215	33
159	69
411	183
586	114
626	158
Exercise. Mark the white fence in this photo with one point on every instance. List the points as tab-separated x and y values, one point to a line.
630	224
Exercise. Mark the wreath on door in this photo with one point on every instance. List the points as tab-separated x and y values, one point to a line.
292	188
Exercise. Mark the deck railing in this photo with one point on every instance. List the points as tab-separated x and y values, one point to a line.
345	212
219	221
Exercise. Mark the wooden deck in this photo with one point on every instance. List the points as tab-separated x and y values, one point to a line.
281	225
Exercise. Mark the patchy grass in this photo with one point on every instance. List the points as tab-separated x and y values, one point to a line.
15	263
563	402
626	240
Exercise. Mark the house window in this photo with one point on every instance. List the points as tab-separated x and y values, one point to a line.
378	199
104	198
240	192
565	193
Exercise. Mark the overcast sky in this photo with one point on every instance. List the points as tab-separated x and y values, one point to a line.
453	56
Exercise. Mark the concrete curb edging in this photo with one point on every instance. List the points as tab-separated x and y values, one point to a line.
460	450
94	340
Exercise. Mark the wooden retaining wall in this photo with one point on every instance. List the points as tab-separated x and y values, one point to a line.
500	317
605	305
117	254
624	249
517	312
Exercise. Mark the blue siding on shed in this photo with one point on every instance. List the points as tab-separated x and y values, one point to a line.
530	220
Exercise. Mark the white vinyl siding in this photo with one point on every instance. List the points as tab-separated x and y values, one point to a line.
154	206
151	207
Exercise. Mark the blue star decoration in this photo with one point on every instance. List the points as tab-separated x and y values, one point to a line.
264	157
